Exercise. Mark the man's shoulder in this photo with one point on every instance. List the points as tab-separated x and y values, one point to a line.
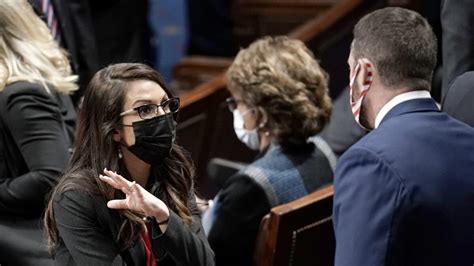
382	146
401	132
370	143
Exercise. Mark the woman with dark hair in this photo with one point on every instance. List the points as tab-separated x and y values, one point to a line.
279	101
146	215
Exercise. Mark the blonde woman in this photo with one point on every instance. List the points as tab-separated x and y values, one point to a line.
279	100
36	129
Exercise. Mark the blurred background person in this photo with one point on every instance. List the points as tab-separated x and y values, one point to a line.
146	215
459	100
97	33
457	18
279	100
37	121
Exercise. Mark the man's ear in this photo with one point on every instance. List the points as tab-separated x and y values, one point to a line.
366	71
117	136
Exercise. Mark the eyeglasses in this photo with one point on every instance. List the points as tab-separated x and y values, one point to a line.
151	110
232	103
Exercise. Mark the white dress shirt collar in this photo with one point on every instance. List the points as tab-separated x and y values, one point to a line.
397	100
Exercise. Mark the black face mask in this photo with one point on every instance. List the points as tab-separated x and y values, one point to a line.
154	139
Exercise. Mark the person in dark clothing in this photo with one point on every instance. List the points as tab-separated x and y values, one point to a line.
75	33
144	216
210	28
457	20
99	33
279	100
37	122
459	99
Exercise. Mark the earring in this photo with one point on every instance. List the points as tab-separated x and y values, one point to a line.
120	153
267	133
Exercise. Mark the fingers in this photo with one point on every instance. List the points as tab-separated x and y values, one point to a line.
117	178
134	192
114	184
117	204
118	182
110	181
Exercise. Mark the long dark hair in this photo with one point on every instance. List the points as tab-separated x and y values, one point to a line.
95	149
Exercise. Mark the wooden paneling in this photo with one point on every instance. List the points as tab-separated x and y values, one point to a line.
194	70
283	7
256	18
330	37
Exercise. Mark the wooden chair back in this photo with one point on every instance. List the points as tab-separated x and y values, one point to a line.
298	233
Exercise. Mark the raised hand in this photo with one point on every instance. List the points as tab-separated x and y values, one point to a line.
137	199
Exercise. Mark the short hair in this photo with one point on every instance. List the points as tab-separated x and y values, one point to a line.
401	45
281	76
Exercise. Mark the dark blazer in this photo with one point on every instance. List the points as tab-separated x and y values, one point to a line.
77	29
88	229
404	194
99	33
457	21
459	100
36	130
77	37
121	30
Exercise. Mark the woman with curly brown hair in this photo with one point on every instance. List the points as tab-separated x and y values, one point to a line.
279	101
146	215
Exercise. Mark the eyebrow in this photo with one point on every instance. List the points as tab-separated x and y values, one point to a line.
140	102
147	101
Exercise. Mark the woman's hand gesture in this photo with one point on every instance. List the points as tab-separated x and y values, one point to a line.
137	199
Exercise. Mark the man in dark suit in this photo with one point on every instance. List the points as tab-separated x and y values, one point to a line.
76	30
404	194
459	99
98	33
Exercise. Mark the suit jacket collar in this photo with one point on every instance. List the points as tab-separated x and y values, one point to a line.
412	106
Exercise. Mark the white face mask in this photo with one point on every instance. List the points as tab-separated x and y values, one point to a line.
248	137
